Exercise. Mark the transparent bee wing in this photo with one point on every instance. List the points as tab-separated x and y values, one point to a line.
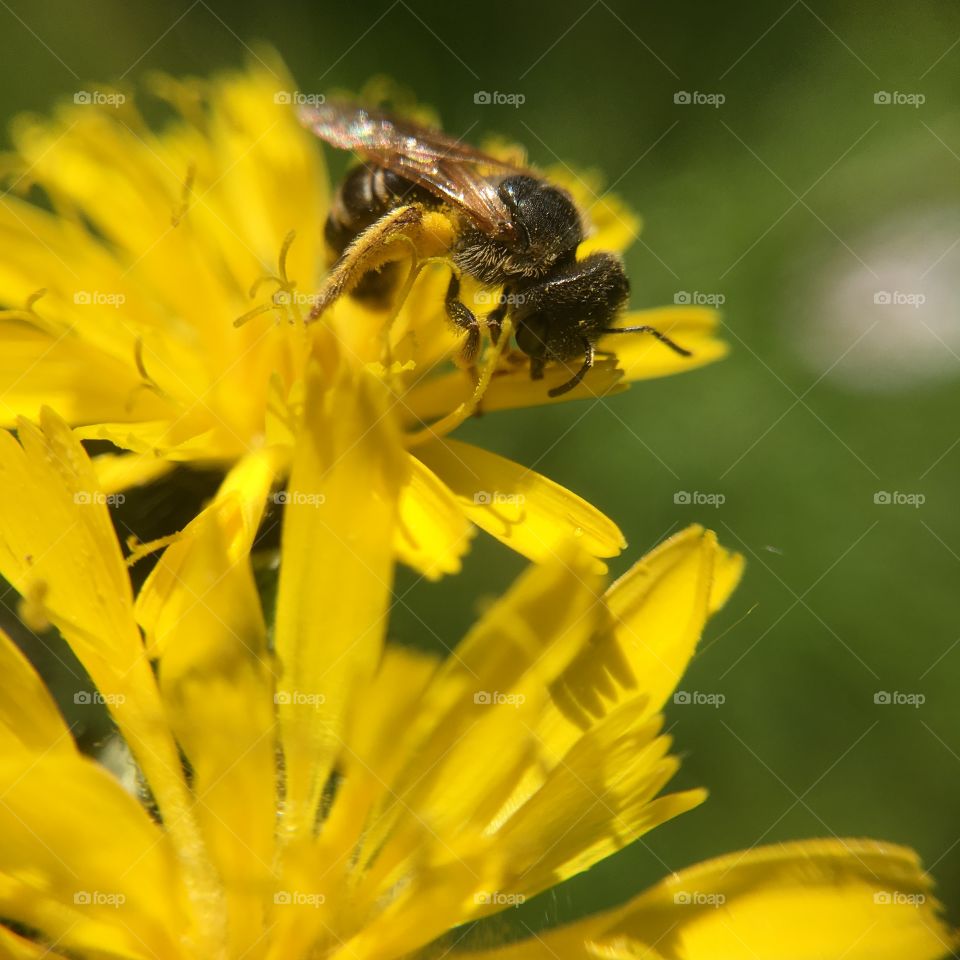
455	172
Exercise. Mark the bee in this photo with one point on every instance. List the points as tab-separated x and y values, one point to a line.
513	229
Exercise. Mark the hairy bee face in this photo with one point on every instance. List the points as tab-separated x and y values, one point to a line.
577	300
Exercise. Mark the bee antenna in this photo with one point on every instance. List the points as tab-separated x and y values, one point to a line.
662	337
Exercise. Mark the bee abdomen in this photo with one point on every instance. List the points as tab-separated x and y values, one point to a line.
364	196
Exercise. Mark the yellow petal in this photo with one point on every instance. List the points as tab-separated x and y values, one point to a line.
420	912
422	777
209	202
335	573
432	532
641	357
599	798
215	677
511	388
59	550
239	506
611	224
657	612
727	571
481	709
272	176
179	440
29	718
121	471
93	306
85	845
15	947
660	607
856	899
521	508
370	758
24	898
66	373
613	227
371	736
57	541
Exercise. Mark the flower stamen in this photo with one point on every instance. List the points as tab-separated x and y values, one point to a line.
28	315
283	297
180	210
140	550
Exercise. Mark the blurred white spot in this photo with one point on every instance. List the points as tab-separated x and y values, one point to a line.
116	757
903	317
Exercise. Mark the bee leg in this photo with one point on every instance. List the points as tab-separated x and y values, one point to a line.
495	317
364	254
536	368
463	317
654	332
588	355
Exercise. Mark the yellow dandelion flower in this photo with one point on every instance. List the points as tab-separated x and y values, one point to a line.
310	791
120	303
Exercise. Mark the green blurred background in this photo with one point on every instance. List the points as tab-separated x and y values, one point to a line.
797	201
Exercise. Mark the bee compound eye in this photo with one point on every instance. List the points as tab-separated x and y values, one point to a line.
532	334
514	235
